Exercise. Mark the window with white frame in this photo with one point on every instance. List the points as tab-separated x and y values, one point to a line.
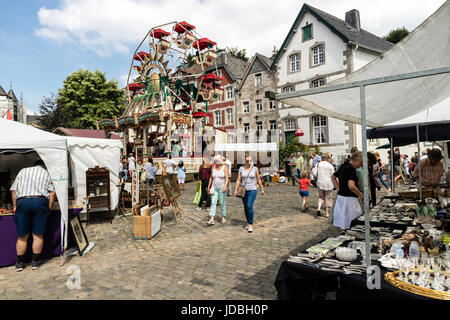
246	127
288	89
273	124
318	55
317	83
320	129
294	62
259	127
258	80
272	105
229	92
289	125
245	107
229	116
217	118
259	105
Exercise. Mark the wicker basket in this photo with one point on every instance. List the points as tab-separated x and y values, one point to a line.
391	277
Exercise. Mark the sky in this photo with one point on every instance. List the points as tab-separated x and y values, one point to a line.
42	42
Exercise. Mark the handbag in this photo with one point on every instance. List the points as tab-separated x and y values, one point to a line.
241	189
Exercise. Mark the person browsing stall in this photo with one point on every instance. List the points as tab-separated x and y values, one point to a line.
432	169
150	170
33	195
347	207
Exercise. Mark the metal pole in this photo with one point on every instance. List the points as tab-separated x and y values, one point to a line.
365	173
391	164
418	163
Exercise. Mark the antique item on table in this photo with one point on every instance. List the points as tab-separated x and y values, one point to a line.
346	254
98	191
79	234
393	279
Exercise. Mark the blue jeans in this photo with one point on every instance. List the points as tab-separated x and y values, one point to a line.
248	201
380	175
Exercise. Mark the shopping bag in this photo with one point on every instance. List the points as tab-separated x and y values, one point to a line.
198	194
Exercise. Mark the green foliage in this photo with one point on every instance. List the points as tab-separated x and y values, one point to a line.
86	96
235	52
293	146
396	35
51	115
189	62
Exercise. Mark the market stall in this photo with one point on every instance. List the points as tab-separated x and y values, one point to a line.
29	143
416	74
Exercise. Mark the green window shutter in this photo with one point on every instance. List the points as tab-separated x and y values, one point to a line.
307	33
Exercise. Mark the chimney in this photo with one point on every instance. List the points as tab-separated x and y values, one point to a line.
352	18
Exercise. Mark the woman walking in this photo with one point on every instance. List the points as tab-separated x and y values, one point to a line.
204	173
248	177
181	174
380	174
218	188
325	185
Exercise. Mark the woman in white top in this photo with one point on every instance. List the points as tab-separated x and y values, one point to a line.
249	178
325	185
217	187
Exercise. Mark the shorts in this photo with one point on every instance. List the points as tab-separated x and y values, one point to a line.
397	170
31	216
181	180
304	194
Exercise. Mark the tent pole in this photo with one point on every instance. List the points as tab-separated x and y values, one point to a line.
365	174
391	164
418	162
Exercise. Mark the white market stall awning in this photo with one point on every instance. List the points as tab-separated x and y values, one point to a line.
52	149
87	153
426	48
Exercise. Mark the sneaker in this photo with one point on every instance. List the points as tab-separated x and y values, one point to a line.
20	266
198	208
208	208
35	264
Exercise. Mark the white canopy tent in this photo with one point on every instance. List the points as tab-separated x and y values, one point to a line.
87	153
426	47
411	77
52	149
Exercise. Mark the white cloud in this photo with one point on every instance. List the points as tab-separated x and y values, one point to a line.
117	26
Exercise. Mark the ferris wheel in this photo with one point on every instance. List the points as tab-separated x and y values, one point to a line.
156	81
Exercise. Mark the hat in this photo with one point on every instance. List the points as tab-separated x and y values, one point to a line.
435	154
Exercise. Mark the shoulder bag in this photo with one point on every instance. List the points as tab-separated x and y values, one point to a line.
241	189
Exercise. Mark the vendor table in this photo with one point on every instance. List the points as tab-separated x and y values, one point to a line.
296	281
52	237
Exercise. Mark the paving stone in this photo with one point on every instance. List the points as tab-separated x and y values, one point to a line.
187	259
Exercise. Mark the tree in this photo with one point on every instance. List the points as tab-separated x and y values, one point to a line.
235	52
293	146
51	114
396	35
86	97
189	61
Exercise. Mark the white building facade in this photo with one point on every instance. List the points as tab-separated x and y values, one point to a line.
319	49
9	102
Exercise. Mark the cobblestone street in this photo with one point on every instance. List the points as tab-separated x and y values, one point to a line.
187	259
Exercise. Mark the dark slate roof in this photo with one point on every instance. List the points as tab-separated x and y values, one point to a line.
2	92
12	95
348	34
234	66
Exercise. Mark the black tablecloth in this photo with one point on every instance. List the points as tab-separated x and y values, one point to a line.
296	281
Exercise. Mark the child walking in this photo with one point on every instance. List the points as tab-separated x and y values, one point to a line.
304	182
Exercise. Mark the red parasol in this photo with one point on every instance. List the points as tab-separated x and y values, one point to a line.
299	133
140	55
203	43
209	77
200	114
135	86
159	33
181	27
